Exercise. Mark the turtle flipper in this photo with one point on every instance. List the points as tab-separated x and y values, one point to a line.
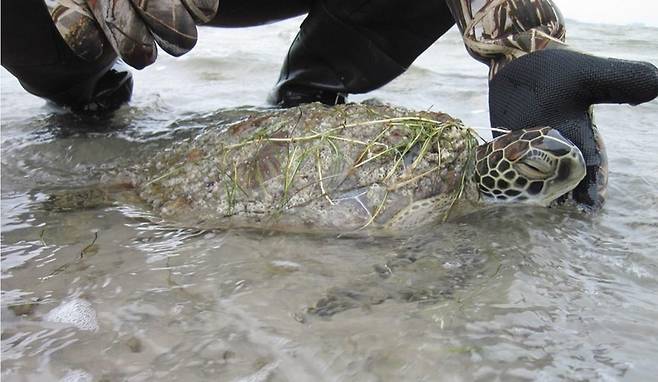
339	300
88	197
409	276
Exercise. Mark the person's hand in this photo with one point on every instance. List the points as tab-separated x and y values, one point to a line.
131	27
557	87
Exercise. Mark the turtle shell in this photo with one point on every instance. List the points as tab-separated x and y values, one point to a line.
315	167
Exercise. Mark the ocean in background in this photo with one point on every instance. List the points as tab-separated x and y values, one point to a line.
530	294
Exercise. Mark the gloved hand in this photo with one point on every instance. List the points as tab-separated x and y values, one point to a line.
557	87
132	27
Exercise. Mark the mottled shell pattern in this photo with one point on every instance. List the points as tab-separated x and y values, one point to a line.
316	167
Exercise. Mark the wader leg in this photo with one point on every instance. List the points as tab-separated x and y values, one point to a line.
496	32
34	52
347	46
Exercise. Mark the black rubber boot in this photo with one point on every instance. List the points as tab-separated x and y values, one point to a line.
355	47
111	91
34	52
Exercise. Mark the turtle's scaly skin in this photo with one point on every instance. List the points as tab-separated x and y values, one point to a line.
313	167
531	163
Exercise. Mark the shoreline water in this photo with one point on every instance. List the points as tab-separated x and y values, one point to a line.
558	295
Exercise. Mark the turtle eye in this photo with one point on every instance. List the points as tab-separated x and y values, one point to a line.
537	165
530	171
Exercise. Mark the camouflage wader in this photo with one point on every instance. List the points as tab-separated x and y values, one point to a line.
496	32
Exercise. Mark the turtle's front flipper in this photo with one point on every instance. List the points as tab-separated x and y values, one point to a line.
417	273
90	197
338	300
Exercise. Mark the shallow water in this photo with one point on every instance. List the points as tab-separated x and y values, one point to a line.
507	294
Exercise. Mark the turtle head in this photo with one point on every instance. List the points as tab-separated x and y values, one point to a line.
533	166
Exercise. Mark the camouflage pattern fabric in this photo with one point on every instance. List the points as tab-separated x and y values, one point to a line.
131	27
499	31
78	28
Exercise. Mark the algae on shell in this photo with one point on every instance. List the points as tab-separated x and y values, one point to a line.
343	167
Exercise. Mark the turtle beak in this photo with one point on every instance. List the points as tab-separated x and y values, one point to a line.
571	170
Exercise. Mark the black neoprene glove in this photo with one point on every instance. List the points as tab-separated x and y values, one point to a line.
557	87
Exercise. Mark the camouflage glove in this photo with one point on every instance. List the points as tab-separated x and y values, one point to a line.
131	27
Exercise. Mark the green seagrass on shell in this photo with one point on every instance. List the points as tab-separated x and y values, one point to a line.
346	167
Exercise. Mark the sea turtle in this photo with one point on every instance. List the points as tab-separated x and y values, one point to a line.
344	168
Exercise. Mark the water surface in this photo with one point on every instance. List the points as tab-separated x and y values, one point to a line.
106	294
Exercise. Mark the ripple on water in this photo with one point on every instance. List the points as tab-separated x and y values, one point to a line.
506	294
